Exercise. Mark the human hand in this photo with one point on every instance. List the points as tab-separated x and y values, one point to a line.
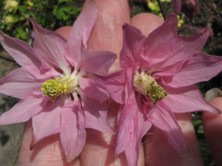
99	148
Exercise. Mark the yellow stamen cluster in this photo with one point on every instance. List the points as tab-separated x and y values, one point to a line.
59	86
147	85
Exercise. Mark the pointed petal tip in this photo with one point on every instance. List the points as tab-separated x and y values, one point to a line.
126	26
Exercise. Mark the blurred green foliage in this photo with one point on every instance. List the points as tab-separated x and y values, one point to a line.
51	14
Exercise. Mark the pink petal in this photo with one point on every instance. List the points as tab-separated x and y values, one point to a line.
201	67
23	110
132	127
96	114
92	92
47	122
21	52
163	36
126	126
177	5
80	32
165	120
174	49
115	85
188	100
132	41
97	62
50	46
185	47
132	150
119	84
19	83
72	132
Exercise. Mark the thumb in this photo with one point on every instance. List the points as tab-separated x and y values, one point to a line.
213	130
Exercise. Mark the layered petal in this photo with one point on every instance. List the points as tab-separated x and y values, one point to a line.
201	67
22	53
80	33
127	125
132	41
96	113
97	63
163	36
163	119
47	122
174	49
72	131
23	110
115	85
50	47
188	99
132	127
19	83
185	47
95	93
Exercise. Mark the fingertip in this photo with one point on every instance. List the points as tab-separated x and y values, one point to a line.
217	103
146	22
107	32
212	124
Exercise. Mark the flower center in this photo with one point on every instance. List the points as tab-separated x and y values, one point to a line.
60	86
147	85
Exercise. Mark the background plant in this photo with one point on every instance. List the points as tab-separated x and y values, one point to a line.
15	14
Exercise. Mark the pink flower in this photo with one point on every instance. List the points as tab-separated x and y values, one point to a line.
55	84
157	79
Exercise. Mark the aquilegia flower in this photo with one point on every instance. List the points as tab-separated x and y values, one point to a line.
55	84
157	79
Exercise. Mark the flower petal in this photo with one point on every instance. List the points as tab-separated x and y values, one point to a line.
174	49
132	41
94	93
47	122
188	100
50	46
163	36
72	132
132	126
96	114
97	62
165	120
80	32
19	83
126	125
115	85
23	110
201	67
21	52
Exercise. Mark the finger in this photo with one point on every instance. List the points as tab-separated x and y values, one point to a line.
212	128
157	149
146	22
106	35
46	153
